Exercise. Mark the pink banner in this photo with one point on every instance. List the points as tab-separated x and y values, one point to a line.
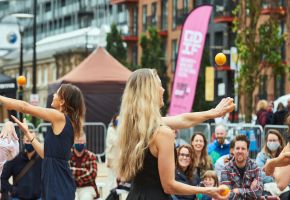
188	60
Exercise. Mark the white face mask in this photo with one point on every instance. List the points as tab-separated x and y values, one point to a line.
273	146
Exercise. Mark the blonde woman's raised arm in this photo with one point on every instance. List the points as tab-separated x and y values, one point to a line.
46	114
187	120
164	143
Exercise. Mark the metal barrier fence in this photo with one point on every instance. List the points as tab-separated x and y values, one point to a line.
254	133
95	133
185	135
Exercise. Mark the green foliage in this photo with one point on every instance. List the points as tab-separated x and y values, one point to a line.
115	45
153	56
29	120
259	47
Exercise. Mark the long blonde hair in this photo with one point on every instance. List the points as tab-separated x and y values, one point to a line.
139	118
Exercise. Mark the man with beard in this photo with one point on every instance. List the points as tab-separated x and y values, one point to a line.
242	175
220	145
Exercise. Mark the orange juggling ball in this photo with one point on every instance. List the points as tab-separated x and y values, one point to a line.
21	80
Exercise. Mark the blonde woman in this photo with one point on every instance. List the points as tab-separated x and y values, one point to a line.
147	140
262	112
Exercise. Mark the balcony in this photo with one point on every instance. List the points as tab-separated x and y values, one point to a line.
131	35
123	1
223	11
162	26
273	7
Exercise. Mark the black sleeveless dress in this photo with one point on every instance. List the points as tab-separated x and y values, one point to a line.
146	185
57	180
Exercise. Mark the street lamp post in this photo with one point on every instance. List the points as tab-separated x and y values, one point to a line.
21	16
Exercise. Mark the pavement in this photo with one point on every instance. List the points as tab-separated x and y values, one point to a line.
102	179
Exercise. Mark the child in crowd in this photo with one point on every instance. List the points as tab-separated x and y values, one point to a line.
209	179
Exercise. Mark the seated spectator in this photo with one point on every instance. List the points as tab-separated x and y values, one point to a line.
222	161
220	146
274	144
184	169
83	164
209	179
9	147
241	174
25	169
201	159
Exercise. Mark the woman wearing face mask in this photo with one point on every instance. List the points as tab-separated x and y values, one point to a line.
274	144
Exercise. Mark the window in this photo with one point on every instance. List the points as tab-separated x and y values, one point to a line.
154	14
144	17
173	55
164	10
218	40
174	16
67	21
47	7
279	85
263	87
185	6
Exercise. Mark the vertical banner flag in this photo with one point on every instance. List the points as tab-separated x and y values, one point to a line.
188	60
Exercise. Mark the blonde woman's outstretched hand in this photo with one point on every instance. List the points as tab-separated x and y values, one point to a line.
23	126
8	131
225	105
215	193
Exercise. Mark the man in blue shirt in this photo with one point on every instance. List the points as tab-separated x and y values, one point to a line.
220	146
29	185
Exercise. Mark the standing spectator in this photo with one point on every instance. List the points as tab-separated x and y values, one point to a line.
184	170
83	164
25	169
220	146
242	174
262	106
279	115
66	117
112	151
270	112
9	147
201	160
222	161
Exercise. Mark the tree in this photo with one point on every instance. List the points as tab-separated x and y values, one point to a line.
153	56
115	45
259	47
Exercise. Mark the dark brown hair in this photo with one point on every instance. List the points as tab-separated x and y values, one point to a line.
205	161
74	106
189	171
242	138
211	174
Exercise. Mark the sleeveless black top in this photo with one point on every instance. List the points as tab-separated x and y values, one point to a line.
147	185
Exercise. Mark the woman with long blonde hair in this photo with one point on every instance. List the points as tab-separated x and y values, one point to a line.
147	140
